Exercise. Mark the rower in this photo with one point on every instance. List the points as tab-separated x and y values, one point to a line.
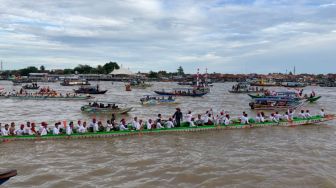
109	126
190	119
169	123
291	115
101	127
286	117
277	116
43	130
20	131
56	129
258	118
69	128
12	129
307	114
136	124
5	130
149	124
199	121
27	130
82	129
302	114
322	113
227	120
123	126
93	125
245	119
273	118
158	122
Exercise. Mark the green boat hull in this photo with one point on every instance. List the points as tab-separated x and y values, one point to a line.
184	128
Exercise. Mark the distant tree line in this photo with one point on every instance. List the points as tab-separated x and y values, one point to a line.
159	74
80	69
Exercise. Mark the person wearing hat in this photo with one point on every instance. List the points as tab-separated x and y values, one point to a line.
20	131
178	116
43	130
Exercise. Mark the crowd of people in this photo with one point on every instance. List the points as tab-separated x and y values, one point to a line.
208	118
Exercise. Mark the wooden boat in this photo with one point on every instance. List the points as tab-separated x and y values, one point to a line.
293	84
186	92
74	82
274	104
90	90
157	100
244	87
139	84
184	128
30	87
6	175
46	97
106	108
287	95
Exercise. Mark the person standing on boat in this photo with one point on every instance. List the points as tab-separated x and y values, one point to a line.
178	117
56	129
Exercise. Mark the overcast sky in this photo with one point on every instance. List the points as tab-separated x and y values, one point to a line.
228	36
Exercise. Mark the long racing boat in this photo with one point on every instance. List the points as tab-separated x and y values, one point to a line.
184	128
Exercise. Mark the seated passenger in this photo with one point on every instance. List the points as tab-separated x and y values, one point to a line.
169	123
83	128
109	126
123	125
69	128
56	129
136	124
5	130
307	114
43	130
149	124
199	121
227	120
322	113
20	131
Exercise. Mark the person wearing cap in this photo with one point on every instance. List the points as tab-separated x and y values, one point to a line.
20	131
178	116
43	130
56	130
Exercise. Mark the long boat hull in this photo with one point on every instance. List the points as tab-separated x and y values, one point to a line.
184	128
243	92
180	94
6	175
91	92
47	98
95	110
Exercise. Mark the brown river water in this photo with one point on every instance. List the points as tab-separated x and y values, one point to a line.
265	157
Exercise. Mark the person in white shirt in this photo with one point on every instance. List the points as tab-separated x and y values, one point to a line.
199	121
149	124
5	130
245	119
286	117
190	119
227	120
258	119
262	117
277	116
20	131
307	114
68	129
123	126
27	130
82	129
136	124
43	130
206	119
291	115
302	114
322	113
158	122
56	129
169	123
79	124
109	126
221	119
273	118
93	125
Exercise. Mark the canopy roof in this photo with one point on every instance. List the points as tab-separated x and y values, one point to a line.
121	71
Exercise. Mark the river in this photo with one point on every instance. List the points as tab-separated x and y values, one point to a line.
265	157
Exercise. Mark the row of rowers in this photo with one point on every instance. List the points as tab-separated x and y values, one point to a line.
175	121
